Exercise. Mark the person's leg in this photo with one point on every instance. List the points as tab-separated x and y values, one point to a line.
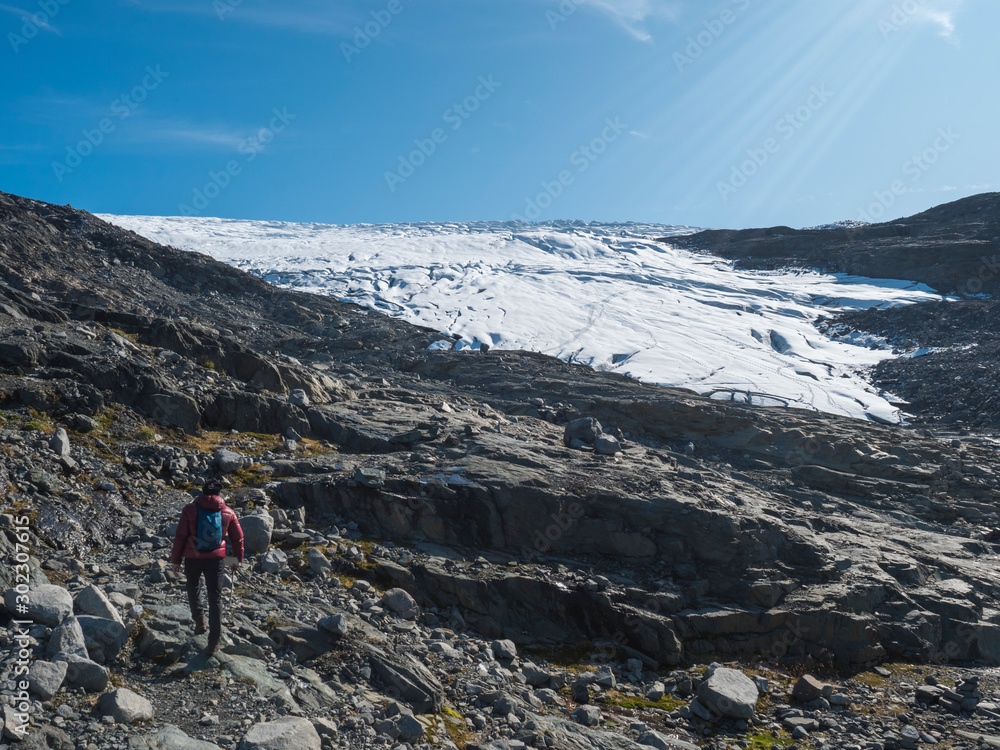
213	582
193	570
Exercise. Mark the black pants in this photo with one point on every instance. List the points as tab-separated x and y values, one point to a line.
213	570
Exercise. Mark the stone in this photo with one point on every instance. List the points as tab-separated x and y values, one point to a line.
504	650
47	604
318	562
401	603
13	723
59	443
408	728
729	693
664	742
607	445
46	677
335	624
274	561
84	673
909	736
585	430
298	397
289	733
408	678
807	689
809	724
229	461
104	638
92	601
547	695
257	530
126	706
589	716
535	675
369	477
656	692
605	677
67	639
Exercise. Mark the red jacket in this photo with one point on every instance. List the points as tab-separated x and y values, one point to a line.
187	531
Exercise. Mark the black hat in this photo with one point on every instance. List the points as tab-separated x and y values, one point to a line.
212	487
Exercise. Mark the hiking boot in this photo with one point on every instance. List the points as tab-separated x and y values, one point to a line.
213	647
199	628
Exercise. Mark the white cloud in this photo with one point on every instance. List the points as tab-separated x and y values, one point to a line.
632	15
941	14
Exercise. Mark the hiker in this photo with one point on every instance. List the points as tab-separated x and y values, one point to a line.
201	542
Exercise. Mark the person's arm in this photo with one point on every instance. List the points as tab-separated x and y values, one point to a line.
180	540
236	537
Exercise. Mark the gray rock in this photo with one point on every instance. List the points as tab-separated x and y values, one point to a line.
589	716
288	733
14	726
335	624
59	442
92	601
605	677
104	638
607	445
84	673
547	695
807	689
46	604
46	677
408	728
229	461
729	693
173	738
535	675
656	692
664	742
257	531
504	650
125	706
585	430
274	561
400	602
410	679
298	397
369	477
318	563
67	639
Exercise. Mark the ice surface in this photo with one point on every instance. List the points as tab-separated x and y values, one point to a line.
606	295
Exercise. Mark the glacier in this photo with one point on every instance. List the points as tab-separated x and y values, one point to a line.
602	294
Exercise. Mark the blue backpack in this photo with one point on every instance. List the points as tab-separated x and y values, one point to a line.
209	530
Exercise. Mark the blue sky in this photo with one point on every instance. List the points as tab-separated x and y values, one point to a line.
724	113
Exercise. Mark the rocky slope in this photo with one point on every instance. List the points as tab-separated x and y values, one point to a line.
453	548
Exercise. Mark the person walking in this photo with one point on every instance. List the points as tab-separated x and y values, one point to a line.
200	542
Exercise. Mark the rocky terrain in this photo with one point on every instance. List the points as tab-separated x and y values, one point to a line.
453	548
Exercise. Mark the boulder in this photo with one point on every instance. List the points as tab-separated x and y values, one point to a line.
504	650
665	742
583	431
68	639
257	531
170	738
288	733
729	693
589	716
92	601
410	679
125	706
104	638
84	673
298	397
59	443
369	477
229	461
807	689
46	677
318	563
401	603
47	604
335	624
607	445
274	561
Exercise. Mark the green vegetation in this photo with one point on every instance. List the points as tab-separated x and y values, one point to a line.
765	741
667	703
